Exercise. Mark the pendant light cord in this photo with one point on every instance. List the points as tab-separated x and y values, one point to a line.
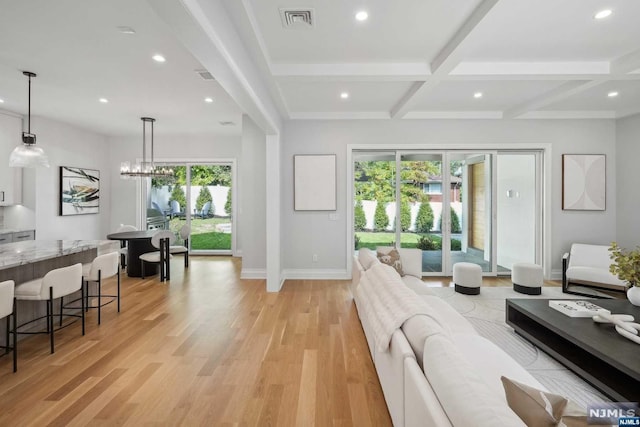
29	107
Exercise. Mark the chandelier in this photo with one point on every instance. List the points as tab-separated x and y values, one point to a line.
145	168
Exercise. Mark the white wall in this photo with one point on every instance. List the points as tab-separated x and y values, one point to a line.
628	180
307	233
253	201
66	146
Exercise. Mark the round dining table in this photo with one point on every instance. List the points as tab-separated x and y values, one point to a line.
138	243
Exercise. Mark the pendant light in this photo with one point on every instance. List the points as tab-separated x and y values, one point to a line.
145	168
27	155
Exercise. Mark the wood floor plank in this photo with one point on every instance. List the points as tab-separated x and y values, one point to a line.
205	348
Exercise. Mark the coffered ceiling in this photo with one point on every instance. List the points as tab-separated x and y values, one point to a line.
411	59
427	58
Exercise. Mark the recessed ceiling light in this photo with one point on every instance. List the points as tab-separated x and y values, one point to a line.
362	15
612	94
103	100
1	101
477	95
603	14
208	100
159	58
344	95
126	30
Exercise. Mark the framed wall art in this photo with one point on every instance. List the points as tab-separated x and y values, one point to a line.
584	182
79	191
314	182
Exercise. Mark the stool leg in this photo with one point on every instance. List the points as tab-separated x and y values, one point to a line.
82	309
15	336
50	318
118	291
142	269
99	295
61	305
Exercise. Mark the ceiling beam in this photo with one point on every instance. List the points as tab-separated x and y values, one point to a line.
627	63
205	29
498	68
352	72
557	94
447	59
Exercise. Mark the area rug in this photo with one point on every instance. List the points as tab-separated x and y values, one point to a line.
486	312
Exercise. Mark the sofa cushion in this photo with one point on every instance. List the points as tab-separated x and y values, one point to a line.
391	258
415	284
491	362
417	329
442	318
539	408
463	394
367	258
594	275
584	255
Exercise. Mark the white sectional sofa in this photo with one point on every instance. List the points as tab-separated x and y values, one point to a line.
588	265
436	370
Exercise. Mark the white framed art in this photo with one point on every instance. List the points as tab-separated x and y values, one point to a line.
584	182
314	182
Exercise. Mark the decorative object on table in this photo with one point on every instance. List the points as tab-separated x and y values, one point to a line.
626	265
577	308
584	182
145	169
27	155
314	182
623	323
79	191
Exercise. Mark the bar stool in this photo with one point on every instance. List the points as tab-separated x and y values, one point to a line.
55	284
161	240
8	310
102	267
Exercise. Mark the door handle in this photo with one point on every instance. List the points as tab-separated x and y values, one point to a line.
2	196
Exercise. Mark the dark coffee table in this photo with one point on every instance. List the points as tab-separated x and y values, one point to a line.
595	352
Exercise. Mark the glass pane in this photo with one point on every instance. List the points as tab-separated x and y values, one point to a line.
470	209
374	204
161	194
210	207
420	207
516	204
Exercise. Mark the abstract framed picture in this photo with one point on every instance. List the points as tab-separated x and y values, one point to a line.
314	182
584	182
79	191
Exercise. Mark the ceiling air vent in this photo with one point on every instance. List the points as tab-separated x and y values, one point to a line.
205	75
297	19
227	123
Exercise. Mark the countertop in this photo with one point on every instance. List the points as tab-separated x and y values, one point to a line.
20	253
15	230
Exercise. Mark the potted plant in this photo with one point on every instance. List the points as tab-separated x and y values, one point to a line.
626	265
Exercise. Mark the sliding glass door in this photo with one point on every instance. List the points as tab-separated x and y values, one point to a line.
456	206
201	197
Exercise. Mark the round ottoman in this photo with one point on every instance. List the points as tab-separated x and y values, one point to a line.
527	278
467	278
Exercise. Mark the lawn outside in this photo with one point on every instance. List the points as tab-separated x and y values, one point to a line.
370	239
204	235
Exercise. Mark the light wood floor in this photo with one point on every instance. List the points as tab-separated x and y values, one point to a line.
205	349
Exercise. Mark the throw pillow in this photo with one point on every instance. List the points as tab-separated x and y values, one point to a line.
539	408
392	258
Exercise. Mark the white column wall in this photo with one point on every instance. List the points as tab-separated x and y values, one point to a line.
253	200
628	179
309	233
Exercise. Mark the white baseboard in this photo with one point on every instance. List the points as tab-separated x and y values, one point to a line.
556	274
318	274
253	273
